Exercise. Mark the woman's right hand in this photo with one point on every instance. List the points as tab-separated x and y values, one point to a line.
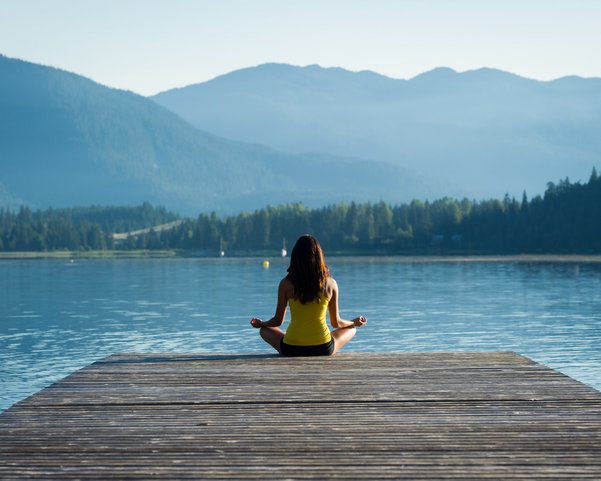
359	321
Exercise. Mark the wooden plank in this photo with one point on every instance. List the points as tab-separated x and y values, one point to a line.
353	416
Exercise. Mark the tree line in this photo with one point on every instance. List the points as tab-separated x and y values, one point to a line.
77	228
565	219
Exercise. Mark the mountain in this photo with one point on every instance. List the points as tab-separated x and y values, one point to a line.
66	140
486	131
8	200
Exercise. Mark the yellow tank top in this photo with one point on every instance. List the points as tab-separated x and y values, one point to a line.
308	323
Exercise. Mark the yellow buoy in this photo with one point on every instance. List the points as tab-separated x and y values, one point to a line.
265	264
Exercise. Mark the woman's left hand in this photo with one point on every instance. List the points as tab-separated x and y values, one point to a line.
359	321
255	322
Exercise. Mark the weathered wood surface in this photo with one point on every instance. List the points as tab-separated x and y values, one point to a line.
353	416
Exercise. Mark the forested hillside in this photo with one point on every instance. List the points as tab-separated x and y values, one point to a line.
566	219
66	140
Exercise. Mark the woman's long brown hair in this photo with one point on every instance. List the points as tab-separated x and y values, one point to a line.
308	271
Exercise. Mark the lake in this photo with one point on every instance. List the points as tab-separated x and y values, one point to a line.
57	316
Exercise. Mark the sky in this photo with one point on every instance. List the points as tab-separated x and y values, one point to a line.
149	46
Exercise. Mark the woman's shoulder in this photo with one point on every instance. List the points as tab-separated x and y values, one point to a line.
286	285
330	287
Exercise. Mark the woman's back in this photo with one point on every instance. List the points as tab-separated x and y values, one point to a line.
308	322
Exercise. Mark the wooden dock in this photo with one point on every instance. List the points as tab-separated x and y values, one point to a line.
353	416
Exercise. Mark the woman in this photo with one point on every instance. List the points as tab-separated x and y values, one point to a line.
310	292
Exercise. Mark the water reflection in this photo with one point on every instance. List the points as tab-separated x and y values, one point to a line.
56	317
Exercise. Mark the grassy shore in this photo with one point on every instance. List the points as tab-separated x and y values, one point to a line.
139	254
519	258
109	254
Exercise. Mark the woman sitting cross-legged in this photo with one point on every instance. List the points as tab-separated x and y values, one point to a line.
310	292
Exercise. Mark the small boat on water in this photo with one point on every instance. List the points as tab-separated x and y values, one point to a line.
284	251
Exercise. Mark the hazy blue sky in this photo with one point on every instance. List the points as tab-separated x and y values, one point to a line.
153	45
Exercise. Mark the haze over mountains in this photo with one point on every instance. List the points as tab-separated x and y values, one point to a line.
328	135
66	140
480	133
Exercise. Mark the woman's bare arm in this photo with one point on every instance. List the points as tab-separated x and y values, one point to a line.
335	319
280	310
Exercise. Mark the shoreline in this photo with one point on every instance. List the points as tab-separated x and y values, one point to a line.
108	254
161	254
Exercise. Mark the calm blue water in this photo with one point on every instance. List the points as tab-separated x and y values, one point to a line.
56	316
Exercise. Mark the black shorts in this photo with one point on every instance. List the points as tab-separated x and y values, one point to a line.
326	349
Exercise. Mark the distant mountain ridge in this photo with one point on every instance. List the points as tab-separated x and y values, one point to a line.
485	131
66	140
